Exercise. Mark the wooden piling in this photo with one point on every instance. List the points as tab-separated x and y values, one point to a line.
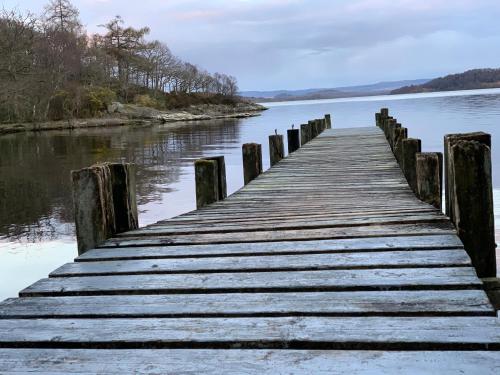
276	148
328	121
207	182
449	141
399	135
378	120
314	128
384	113
221	175
104	203
392	135
293	137
304	134
472	198
252	161
410	148
429	177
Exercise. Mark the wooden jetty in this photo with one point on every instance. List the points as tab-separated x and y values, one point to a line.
325	263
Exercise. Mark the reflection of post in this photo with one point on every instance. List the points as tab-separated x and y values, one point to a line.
104	202
207	182
252	161
472	199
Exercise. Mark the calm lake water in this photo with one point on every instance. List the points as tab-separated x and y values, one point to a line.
36	218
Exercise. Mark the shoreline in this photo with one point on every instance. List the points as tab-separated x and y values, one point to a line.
124	115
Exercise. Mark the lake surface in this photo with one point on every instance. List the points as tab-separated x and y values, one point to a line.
36	218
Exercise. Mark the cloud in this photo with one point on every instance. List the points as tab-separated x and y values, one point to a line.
297	43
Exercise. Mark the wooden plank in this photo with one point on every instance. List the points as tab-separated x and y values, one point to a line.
386	303
389	333
238	361
299	234
361	260
272	248
336	280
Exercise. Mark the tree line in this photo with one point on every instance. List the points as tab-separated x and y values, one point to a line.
51	68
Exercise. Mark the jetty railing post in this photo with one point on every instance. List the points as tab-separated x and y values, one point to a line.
449	141
304	134
392	135
276	148
384	113
221	175
378	119
328	120
429	177
206	174
410	148
293	138
104	203
314	128
472	198
399	134
252	161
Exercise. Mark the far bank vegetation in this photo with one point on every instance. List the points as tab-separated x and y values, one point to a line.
52	69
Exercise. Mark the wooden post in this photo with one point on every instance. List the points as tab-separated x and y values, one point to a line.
410	148
399	135
391	124
293	138
392	135
314	129
384	113
104	203
328	120
472	194
322	124
304	134
429	177
252	161
206	174
276	148
221	175
449	141
378	121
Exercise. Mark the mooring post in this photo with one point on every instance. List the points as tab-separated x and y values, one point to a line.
252	161
104	203
304	134
293	137
399	135
328	120
429	177
410	148
221	175
391	124
384	113
276	148
449	141
314	128
392	135
472	192
207	182
378	119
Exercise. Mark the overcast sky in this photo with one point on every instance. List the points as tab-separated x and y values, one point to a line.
293	44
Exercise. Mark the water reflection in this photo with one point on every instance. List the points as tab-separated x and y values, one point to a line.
36	218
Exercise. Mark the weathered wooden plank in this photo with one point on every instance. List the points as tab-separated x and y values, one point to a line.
238	361
299	234
269	248
390	333
331	280
361	260
386	303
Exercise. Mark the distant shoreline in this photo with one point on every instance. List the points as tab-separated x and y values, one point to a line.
124	115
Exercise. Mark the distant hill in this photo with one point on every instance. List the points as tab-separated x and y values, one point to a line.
469	80
330	93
